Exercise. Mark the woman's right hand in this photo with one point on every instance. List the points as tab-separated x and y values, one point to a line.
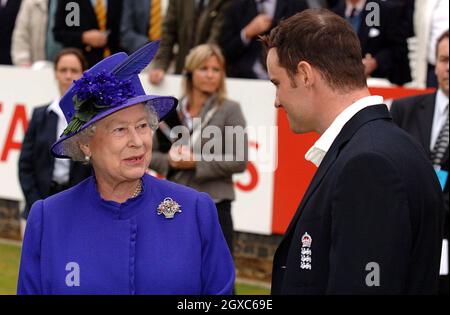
181	157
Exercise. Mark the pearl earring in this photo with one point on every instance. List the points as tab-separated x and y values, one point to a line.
87	158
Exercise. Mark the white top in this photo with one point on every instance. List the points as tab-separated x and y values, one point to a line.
440	115
61	169
318	151
439	24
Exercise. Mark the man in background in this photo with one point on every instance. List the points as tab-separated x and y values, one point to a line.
425	117
141	23
188	23
98	32
245	21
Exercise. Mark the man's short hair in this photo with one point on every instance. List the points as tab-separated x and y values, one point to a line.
440	39
324	40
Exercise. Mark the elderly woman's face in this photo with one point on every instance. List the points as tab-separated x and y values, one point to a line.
121	146
208	76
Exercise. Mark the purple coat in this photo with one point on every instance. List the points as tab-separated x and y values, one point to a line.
78	243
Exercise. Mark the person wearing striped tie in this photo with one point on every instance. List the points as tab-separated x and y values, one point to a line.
91	25
425	117
141	23
187	23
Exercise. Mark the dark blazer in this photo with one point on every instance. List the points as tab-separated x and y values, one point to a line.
8	16
36	162
240	57
71	36
389	46
415	116
373	199
135	24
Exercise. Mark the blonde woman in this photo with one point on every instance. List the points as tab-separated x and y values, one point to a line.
216	145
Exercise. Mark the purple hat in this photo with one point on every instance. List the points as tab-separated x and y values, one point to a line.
109	86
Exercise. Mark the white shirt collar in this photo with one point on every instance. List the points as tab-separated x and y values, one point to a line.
441	102
318	151
54	107
182	107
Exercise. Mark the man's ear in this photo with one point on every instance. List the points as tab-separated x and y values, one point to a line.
306	73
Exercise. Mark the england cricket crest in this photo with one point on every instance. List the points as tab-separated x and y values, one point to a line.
305	260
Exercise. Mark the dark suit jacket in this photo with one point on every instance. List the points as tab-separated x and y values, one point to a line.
8	16
389	47
135	24
36	162
374	199
415	116
240	57
71	36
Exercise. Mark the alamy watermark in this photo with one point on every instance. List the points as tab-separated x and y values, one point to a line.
226	144
373	277
373	16
73	15
73	277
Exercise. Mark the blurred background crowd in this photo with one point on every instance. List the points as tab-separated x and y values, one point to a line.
397	36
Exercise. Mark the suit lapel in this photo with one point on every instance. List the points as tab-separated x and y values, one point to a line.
368	114
113	7
90	12
52	123
425	120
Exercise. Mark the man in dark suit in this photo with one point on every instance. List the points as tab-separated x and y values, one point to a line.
187	23
425	117
369	223
98	32
8	13
141	23
40	174
382	37
245	20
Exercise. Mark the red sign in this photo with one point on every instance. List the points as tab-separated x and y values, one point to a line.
18	118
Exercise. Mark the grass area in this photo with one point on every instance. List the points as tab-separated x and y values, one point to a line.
247	289
9	267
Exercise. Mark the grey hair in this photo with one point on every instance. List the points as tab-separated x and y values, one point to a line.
72	149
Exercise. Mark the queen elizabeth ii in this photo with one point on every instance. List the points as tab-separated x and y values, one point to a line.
121	231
